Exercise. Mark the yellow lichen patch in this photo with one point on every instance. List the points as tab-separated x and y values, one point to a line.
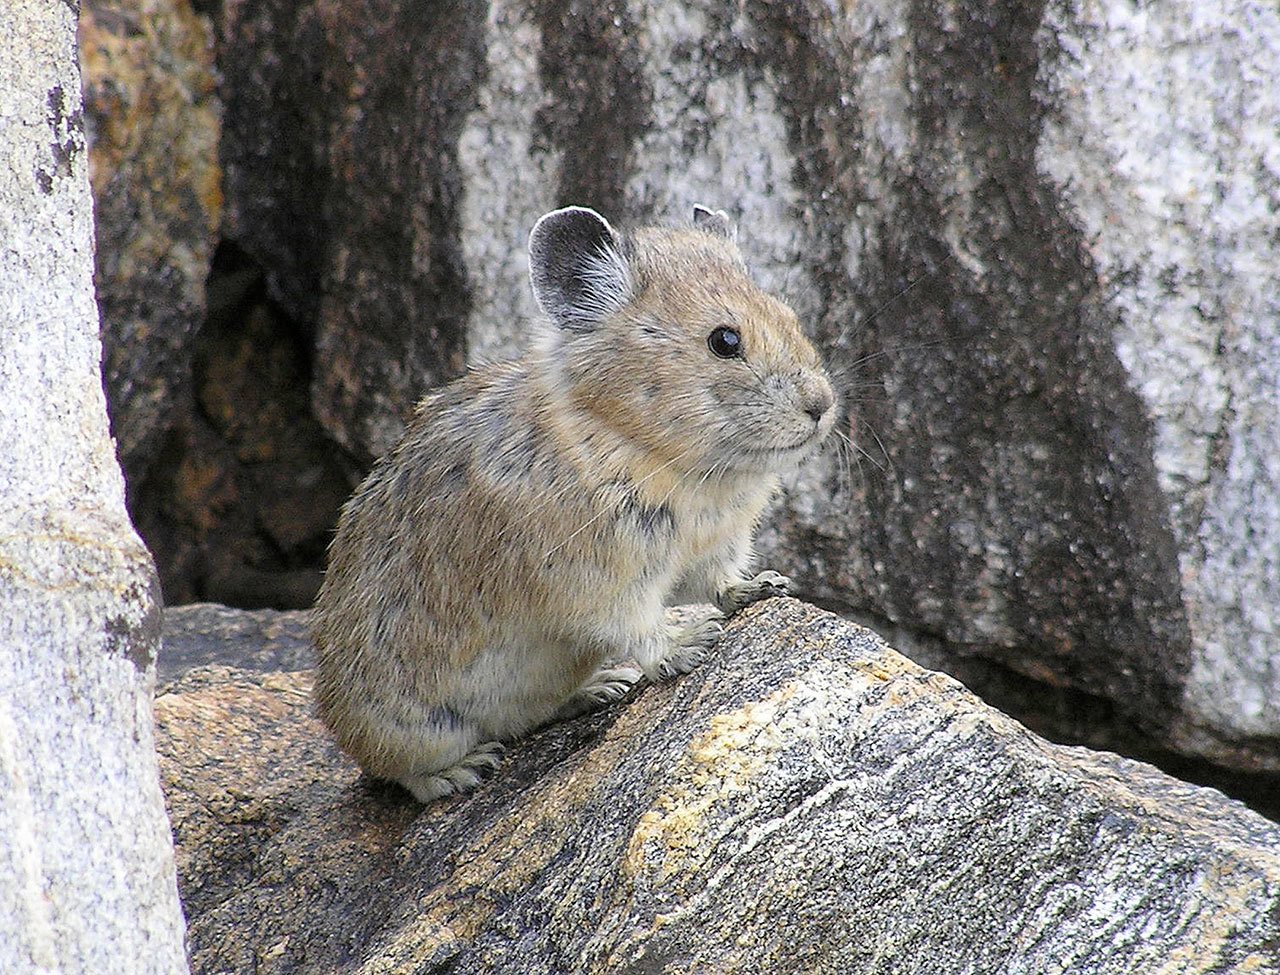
875	669
1254	963
721	765
151	90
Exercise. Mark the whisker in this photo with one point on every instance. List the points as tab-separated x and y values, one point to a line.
884	452
891	350
911	286
844	484
862	450
847	458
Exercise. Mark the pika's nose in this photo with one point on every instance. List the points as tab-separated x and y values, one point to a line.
818	399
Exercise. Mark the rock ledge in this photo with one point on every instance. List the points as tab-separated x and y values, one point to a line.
809	800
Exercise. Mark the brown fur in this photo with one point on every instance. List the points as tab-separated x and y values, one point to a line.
539	514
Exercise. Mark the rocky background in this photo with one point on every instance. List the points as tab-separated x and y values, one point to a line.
86	854
1038	244
1036	241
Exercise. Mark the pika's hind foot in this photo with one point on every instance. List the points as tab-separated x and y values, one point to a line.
765	585
474	767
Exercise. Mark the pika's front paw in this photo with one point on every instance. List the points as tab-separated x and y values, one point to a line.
689	645
605	686
765	585
609	684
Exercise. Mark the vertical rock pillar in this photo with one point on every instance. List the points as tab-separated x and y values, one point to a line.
86	855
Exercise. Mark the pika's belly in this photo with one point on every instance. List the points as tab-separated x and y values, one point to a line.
511	687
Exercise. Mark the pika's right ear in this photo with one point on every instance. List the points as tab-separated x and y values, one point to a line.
576	266
713	221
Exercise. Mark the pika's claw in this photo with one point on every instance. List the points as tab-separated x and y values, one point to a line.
701	635
765	585
690	645
605	686
486	755
475	766
609	684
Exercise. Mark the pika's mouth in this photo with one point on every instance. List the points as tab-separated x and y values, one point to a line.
806	443
784	448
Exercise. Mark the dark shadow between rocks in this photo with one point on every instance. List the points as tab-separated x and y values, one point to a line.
239	505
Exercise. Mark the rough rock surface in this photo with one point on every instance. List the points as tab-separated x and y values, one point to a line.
1036	240
85	852
355	215
204	634
806	801
152	120
231	481
1175	184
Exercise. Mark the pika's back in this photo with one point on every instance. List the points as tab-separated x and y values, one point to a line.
452	510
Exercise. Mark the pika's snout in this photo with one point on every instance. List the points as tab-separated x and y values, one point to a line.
817	398
814	396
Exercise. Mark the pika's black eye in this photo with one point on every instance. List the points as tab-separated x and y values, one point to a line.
725	342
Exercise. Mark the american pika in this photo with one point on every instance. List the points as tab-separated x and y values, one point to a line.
540	513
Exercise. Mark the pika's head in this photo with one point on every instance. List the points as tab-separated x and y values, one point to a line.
663	336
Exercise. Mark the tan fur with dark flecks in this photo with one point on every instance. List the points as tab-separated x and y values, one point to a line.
539	514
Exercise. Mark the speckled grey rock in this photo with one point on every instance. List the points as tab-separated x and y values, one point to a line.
85	852
201	634
806	801
1036	241
1175	185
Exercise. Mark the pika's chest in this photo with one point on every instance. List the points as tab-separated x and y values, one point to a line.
673	531
636	548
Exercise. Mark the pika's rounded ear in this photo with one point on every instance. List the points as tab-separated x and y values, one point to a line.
713	221
577	268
